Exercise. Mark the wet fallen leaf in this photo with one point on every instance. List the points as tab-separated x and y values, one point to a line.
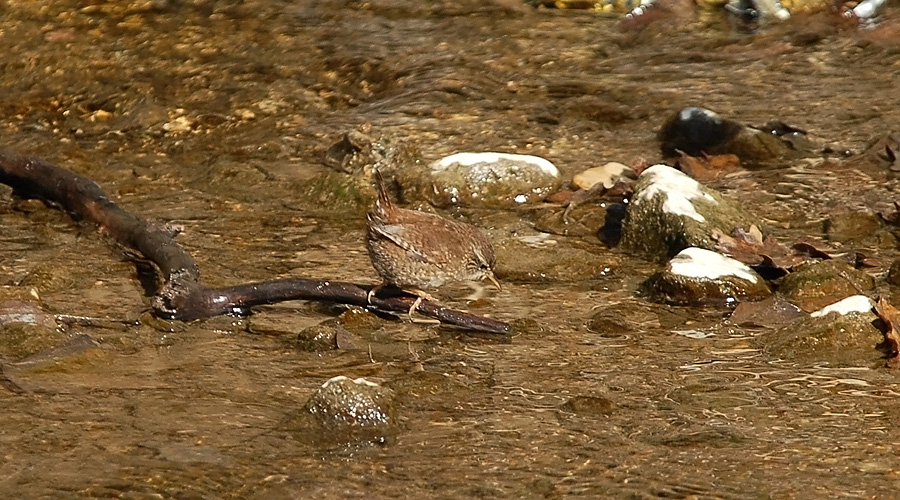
891	318
749	246
805	248
707	167
770	313
639	164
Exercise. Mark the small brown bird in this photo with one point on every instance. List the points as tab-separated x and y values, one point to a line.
412	249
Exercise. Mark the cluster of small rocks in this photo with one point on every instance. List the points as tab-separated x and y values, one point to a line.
814	308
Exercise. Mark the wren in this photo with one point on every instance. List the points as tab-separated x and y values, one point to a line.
416	250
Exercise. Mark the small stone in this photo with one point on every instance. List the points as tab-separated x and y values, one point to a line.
589	406
179	125
894	273
623	318
697	131
345	411
100	116
26	329
852	227
245	114
770	313
345	402
607	175
583	220
698	277
542	262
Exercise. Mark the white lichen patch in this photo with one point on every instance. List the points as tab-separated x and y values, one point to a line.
856	303
470	159
340	378
679	190
696	262
687	114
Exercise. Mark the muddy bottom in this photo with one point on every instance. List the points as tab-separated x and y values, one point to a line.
214	115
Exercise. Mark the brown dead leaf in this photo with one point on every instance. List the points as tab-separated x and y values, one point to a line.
805	248
891	318
639	164
707	168
749	246
772	312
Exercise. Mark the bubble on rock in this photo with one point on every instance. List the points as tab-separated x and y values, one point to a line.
855	303
699	263
487	163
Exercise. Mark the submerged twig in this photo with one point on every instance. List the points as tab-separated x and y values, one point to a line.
181	296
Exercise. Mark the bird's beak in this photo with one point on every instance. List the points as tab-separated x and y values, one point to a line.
490	276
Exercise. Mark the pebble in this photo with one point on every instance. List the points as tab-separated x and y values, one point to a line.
342	401
607	175
179	125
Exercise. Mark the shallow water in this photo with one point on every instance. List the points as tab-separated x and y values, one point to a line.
685	406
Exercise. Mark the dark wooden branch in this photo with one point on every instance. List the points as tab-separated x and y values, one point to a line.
181	296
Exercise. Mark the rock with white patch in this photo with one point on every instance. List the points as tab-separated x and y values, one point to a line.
696	131
348	410
482	180
699	277
840	334
818	284
670	211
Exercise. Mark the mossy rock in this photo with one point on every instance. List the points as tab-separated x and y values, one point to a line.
670	212
819	284
839	340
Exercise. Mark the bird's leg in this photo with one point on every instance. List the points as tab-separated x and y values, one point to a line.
420	296
372	293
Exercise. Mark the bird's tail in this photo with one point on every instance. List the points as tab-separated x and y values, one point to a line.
383	203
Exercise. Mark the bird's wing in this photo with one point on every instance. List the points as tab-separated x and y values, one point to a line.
396	233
